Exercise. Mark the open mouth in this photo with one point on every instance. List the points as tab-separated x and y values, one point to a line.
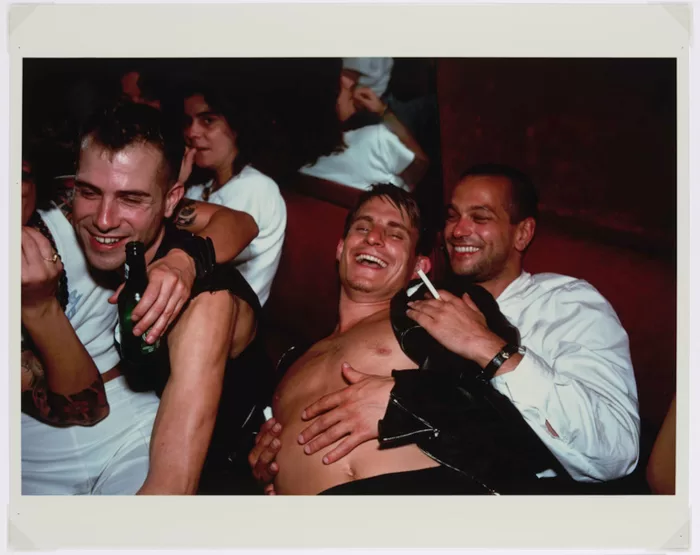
105	243
370	261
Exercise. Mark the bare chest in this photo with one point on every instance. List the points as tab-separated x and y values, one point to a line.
370	348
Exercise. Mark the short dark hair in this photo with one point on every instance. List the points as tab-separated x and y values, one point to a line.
523	194
401	199
124	124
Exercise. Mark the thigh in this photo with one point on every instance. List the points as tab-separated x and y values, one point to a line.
126	468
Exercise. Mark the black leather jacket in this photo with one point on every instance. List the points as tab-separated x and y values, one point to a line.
458	418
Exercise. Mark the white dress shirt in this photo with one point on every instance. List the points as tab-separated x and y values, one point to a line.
576	375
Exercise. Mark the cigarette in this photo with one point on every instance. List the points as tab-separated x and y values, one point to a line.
429	285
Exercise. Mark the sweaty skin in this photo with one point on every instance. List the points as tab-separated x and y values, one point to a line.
368	346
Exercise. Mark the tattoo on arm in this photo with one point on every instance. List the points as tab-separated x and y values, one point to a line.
186	213
84	408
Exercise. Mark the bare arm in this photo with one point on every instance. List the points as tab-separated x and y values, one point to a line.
419	166
60	382
199	345
417	169
230	230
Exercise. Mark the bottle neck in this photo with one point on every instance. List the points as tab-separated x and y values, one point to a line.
135	271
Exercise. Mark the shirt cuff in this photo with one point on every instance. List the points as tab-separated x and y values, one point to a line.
527	386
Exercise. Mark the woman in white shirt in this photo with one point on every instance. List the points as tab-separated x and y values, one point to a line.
212	127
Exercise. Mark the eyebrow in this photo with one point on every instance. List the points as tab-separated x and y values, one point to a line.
391	223
127	193
471	208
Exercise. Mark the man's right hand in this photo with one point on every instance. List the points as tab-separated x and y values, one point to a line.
40	274
262	457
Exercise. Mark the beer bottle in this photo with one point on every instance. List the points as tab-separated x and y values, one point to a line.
134	349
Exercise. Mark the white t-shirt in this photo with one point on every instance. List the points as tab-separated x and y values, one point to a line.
375	73
93	318
373	155
255	193
576	374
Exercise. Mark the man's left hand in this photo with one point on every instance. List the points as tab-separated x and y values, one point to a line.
354	411
170	281
457	324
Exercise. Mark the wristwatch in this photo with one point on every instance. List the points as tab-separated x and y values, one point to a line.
507	351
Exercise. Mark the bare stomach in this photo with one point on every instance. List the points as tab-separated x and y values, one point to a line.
302	474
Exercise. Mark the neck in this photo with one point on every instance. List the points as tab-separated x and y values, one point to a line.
497	285
153	247
351	310
224	173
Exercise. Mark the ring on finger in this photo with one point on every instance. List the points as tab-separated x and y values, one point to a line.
53	259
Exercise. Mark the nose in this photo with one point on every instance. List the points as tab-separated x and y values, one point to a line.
192	130
106	217
375	236
462	228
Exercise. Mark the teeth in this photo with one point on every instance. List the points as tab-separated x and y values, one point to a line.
106	240
466	249
370	258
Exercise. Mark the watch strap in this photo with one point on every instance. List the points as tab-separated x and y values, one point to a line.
507	351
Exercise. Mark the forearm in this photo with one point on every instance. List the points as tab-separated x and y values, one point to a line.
419	166
83	408
231	231
589	419
67	365
179	442
198	346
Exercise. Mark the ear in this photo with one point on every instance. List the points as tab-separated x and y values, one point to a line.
339	249
422	263
173	197
524	232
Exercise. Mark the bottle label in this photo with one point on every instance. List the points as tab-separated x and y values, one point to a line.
126	270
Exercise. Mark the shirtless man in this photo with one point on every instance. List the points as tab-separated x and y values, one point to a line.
377	258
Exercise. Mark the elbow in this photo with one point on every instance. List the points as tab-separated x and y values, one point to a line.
415	173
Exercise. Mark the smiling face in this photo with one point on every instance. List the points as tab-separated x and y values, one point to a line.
481	241
119	198
377	257
210	134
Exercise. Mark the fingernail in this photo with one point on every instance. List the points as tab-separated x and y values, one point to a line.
300	439
325	460
307	450
273	467
275	443
277	427
303	415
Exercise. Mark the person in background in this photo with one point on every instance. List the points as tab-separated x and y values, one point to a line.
382	151
225	144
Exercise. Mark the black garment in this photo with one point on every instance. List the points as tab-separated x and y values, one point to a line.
453	413
246	386
428	481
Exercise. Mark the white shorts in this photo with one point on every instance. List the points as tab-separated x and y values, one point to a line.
109	458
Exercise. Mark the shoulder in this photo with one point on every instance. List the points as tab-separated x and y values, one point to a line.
567	296
250	176
257	188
